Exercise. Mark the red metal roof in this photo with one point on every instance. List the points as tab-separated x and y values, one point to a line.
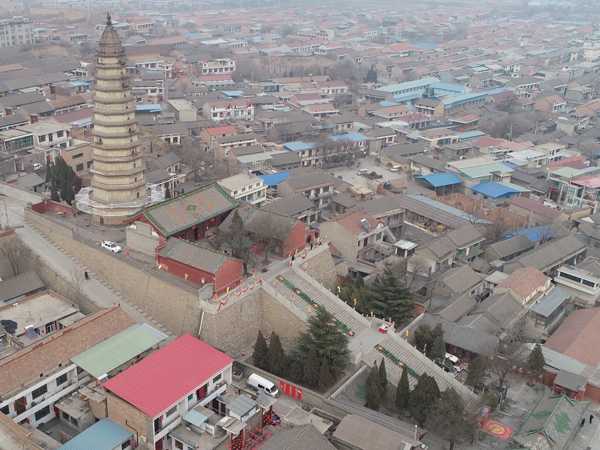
168	375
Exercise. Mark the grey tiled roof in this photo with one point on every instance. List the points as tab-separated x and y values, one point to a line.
283	158
513	245
466	338
465	235
461	279
20	285
381	206
460	305
290	206
550	253
193	255
164	161
312	179
30	180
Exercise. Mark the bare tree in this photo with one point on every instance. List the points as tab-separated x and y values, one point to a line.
589	148
418	266
497	229
271	233
504	358
77	280
544	230
12	248
4	209
473	215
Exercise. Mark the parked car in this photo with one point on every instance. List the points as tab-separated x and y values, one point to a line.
396	169
37	166
362	172
457	363
257	383
109	245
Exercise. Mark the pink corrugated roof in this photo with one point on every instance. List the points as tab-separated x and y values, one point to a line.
592	181
162	379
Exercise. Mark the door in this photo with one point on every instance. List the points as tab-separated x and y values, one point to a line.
158	445
201	393
21	405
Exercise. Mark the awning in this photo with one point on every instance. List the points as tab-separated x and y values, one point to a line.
196	416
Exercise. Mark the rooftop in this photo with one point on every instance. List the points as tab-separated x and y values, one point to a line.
103	435
196	364
118	349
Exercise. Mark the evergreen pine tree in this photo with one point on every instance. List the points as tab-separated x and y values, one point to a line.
48	173
327	338
373	389
277	362
536	361
476	371
438	348
447	416
53	192
167	192
239	241
325	378
296	371
69	194
311	368
259	356
389	297
403	391
423	397
383	377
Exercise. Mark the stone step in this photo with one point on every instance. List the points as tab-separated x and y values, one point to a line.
420	364
331	303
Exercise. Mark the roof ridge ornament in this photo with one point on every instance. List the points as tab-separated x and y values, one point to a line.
108	21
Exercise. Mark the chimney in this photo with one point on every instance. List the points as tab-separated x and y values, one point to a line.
8	111
34	118
52	89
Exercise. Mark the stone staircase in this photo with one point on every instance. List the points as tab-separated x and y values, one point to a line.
332	304
419	363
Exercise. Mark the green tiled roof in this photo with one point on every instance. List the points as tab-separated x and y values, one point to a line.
117	350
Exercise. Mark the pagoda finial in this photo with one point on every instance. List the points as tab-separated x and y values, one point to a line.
108	21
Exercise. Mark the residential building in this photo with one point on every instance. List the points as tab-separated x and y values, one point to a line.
27	396
297	206
437	138
218	65
245	188
582	280
316	186
221	110
356	235
388	210
223	145
406	92
203	379
16	31
458	281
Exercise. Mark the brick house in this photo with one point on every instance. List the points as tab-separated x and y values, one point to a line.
33	379
155	400
200	265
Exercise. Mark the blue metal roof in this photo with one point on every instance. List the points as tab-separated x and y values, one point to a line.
272	179
151	107
470	134
195	418
448	87
298	145
103	435
533	233
495	190
441	179
354	137
408	85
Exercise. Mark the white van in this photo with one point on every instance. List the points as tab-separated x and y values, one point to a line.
362	172
257	382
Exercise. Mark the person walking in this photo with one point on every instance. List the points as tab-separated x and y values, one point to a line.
591	417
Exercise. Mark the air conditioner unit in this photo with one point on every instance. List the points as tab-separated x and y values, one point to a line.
143	438
15	305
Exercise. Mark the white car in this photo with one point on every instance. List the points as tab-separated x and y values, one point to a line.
458	366
111	246
396	169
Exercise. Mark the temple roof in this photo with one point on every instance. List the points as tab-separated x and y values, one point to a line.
110	45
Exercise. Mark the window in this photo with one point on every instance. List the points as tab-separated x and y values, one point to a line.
65	416
191	396
172	411
77	155
74	421
79	168
39	391
62	379
5	410
178	444
378	237
60	133
124	445
42	138
217	378
90	162
42	413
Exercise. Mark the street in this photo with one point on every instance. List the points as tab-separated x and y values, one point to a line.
98	292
